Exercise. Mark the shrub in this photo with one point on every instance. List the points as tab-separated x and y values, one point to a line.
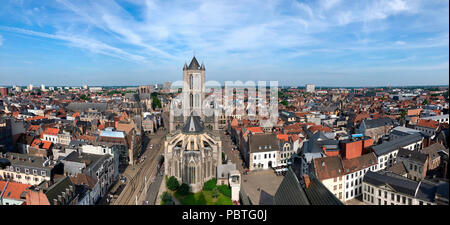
215	192
172	183
225	190
183	189
166	199
210	184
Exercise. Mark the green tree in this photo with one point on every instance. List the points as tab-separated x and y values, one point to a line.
403	114
172	183
156	103
284	102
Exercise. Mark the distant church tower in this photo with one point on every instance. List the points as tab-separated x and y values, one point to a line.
193	89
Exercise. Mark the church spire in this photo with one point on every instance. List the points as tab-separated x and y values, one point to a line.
194	64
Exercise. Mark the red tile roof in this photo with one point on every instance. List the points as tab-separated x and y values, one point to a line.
328	167
13	190
36	118
316	128
51	131
428	123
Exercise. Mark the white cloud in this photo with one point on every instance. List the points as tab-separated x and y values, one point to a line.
224	29
82	42
1	40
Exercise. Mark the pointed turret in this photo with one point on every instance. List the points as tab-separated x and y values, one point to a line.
185	67
202	67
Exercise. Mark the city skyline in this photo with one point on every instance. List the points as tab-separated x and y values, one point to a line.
129	43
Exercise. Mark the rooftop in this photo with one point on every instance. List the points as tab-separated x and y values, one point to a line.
389	146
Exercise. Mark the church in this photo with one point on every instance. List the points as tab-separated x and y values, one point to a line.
192	149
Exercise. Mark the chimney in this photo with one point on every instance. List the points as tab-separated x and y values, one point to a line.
307	180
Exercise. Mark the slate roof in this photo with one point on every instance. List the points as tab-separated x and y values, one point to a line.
194	65
193	125
442	190
224	169
373	123
84	106
398	183
318	194
56	189
263	143
389	146
412	155
398	168
433	149
426	191
290	192
359	163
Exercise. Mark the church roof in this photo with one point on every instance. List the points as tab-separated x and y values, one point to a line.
194	65
193	125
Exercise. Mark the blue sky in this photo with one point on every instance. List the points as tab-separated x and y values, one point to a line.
135	42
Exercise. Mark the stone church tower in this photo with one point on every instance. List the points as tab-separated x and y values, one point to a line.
193	97
193	89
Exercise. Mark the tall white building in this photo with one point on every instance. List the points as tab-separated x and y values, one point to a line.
30	87
310	88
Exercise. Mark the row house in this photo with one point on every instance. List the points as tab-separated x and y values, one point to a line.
387	151
263	152
376	129
438	118
289	146
116	150
415	162
99	167
51	134
60	192
429	127
13	193
355	169
330	171
387	188
27	169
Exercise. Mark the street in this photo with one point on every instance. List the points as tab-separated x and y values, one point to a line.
233	155
139	177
